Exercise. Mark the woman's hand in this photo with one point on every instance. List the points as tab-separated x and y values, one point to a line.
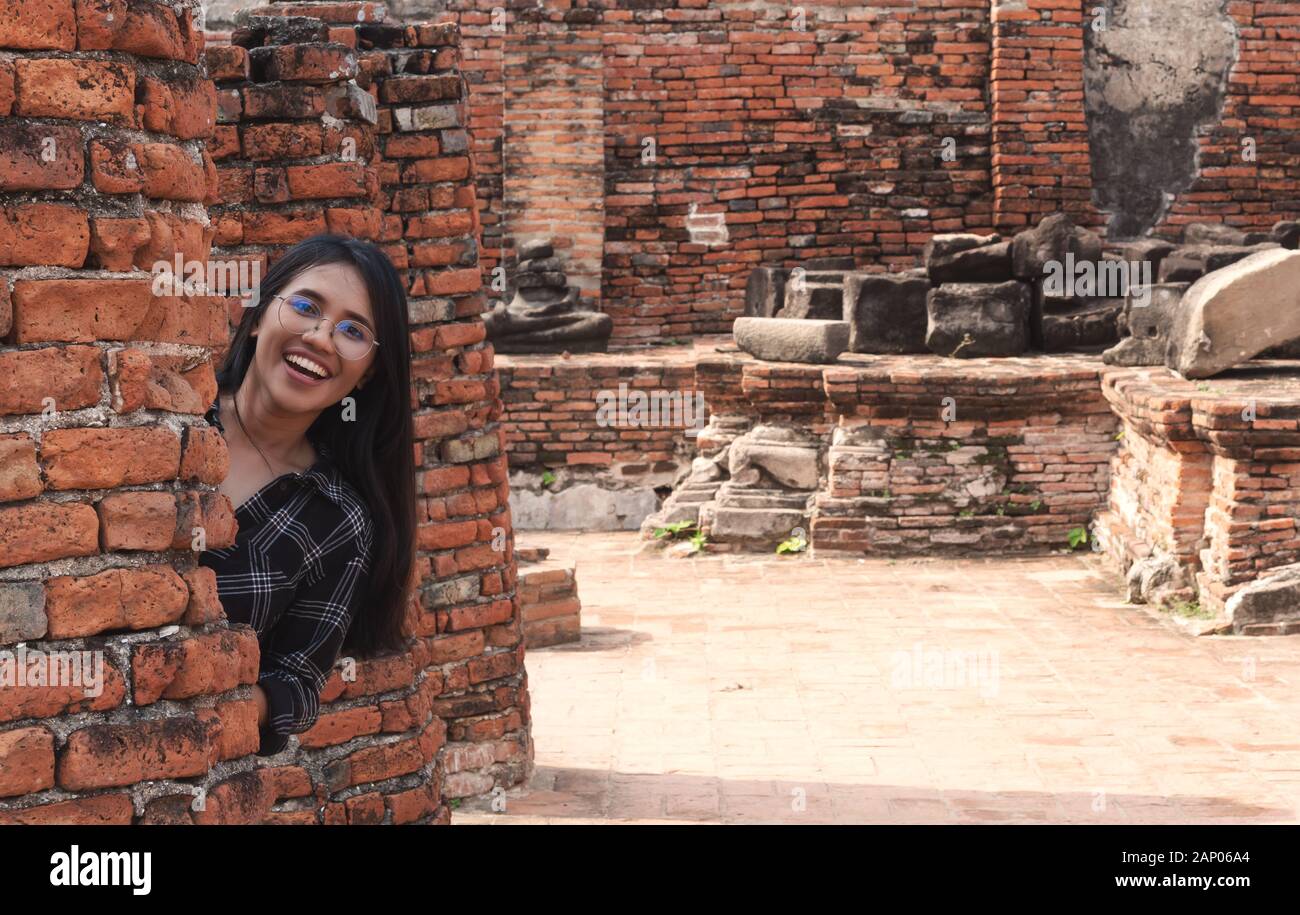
259	695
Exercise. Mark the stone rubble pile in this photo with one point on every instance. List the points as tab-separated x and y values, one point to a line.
1054	288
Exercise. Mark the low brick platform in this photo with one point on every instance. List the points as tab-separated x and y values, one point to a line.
899	454
920	455
548	597
551	407
1209	475
607	463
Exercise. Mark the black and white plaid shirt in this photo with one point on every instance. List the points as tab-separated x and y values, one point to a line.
295	574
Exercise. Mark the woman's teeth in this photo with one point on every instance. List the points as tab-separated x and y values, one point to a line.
313	368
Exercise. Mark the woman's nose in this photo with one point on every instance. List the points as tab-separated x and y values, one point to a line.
322	334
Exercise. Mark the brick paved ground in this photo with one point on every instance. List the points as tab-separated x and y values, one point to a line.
755	689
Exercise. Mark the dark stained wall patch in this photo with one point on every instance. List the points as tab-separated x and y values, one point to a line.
1153	76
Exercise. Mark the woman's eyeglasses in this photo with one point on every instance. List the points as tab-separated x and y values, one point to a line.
299	314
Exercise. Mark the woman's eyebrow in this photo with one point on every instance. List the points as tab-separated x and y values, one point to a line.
313	294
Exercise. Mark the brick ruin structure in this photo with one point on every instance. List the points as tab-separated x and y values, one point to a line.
820	129
117	152
672	151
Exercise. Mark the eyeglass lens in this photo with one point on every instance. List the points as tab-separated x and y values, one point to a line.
299	314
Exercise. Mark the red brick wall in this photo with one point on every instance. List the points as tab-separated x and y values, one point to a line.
804	143
552	416
1263	105
483	40
106	467
554	146
409	187
1040	131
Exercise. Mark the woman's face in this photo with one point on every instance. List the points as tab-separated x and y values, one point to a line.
340	293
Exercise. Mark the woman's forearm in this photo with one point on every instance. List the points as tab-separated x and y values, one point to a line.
259	695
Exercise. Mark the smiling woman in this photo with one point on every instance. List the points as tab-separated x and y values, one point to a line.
314	404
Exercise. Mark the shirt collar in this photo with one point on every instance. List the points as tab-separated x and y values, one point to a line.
324	474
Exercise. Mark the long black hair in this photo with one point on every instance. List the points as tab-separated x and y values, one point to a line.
374	450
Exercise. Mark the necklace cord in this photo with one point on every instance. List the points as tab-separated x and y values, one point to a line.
234	398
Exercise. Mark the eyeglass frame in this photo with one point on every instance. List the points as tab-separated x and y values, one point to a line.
278	316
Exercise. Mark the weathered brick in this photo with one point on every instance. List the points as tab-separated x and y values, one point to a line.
20	477
107	755
202	665
79	311
98	810
43	234
35	157
115	167
171	173
114	599
58	378
105	458
310	63
204	605
87	90
183	108
283	102
142	27
46	531
26	761
38	25
137	520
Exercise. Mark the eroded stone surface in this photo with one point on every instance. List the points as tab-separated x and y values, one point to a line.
1145	92
1270	605
968	320
792	339
1147	327
1236	313
886	313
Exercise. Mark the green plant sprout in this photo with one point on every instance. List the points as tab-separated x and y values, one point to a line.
792	545
672	530
1190	609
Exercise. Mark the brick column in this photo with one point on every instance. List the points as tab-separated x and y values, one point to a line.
1041	163
295	142
469	616
483	25
458	694
107	470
